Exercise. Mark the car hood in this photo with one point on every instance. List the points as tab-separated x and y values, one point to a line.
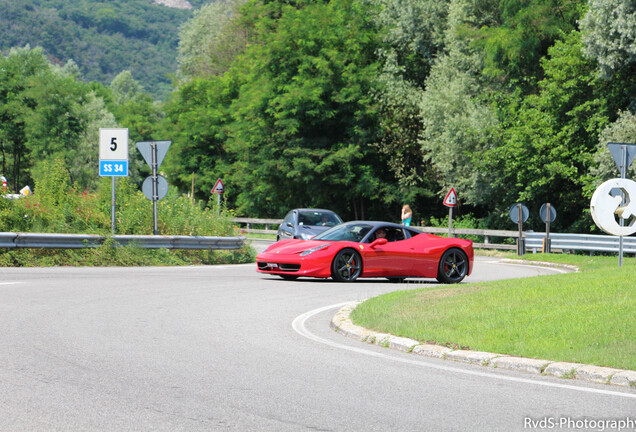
289	247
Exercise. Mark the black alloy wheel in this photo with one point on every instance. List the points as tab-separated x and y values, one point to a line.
346	266
453	266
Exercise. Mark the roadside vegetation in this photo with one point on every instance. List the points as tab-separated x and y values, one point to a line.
398	101
584	317
58	207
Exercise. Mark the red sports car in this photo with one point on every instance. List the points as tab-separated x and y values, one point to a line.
370	249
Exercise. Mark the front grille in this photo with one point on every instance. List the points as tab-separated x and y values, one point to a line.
265	266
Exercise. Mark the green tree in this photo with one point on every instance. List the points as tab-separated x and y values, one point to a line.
293	120
47	113
550	138
609	34
459	124
515	34
19	70
412	36
210	40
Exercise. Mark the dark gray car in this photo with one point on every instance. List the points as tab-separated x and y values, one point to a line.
306	223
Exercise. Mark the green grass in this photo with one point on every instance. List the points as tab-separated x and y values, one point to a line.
586	317
259	236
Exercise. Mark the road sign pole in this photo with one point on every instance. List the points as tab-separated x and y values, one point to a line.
450	222
155	194
621	221
113	204
547	228
520	245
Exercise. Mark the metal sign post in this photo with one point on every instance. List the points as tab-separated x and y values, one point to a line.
450	201
548	215
218	189
519	214
623	154
154	187
155	195
113	160
547	231
520	246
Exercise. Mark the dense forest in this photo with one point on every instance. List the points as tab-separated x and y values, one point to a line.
102	37
358	106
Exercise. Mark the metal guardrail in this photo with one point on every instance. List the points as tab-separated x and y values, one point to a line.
79	241
583	242
533	241
487	234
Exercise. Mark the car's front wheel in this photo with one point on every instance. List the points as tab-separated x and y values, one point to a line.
346	266
453	266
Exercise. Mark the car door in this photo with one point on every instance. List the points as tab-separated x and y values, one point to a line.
394	258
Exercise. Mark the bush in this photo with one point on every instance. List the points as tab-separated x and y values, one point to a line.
57	207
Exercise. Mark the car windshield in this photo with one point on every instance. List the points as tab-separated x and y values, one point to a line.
318	218
354	232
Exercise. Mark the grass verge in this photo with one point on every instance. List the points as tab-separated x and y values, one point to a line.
586	317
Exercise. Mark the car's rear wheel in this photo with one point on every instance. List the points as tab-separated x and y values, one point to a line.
453	266
346	266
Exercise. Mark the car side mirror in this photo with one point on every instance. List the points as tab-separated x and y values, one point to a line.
378	242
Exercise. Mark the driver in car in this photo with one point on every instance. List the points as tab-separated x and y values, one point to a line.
380	233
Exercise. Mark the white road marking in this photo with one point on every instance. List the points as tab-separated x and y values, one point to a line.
299	327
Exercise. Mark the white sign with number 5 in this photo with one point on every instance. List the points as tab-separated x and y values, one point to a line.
113	144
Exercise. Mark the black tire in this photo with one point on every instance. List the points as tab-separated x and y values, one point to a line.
289	277
453	266
346	266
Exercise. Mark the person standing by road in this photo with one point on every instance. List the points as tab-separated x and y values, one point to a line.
407	215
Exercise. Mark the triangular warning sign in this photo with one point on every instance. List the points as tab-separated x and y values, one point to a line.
218	187
451	198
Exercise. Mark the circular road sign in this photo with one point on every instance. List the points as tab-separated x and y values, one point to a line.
162	187
543	212
514	213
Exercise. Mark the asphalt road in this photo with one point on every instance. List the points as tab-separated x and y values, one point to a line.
222	348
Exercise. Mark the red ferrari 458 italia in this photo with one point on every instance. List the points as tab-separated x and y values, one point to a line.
370	249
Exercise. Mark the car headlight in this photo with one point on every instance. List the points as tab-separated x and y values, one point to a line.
306	236
314	249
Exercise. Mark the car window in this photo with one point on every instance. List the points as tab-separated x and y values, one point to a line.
318	218
353	233
392	234
289	218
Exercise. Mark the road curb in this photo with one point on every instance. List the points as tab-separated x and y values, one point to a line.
341	323
569	267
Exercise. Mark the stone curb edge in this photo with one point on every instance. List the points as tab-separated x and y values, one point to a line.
342	324
540	263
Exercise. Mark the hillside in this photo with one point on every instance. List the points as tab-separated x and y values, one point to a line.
103	38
